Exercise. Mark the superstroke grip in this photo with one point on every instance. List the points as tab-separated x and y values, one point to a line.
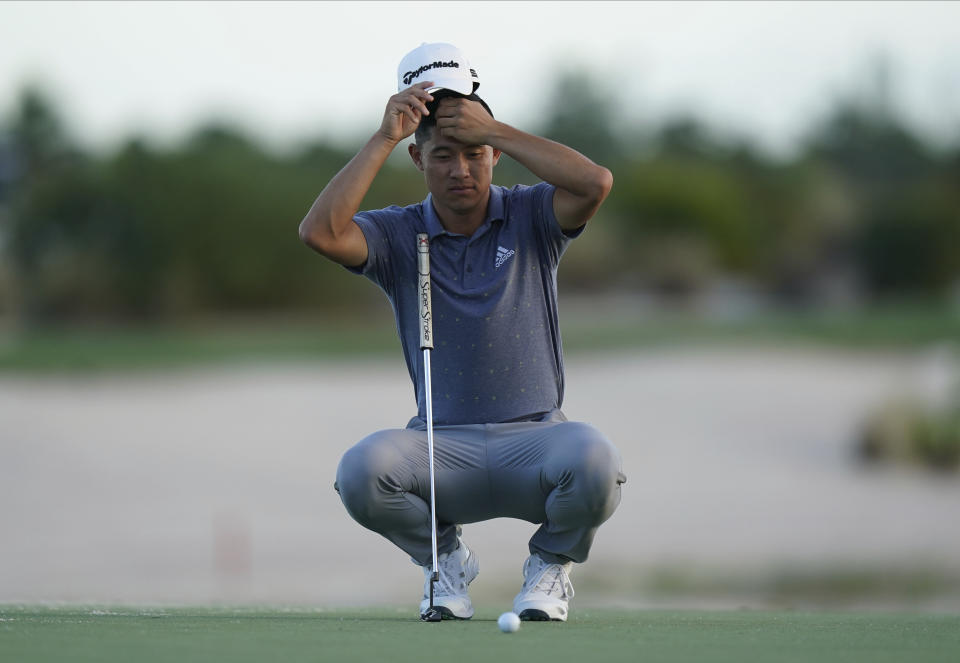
423	287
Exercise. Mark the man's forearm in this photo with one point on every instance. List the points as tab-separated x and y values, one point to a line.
328	227
552	162
333	210
581	184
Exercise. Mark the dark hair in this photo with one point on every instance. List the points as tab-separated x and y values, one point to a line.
428	122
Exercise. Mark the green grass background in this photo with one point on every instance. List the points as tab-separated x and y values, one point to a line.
33	634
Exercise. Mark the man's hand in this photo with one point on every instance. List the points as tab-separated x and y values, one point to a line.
464	120
404	110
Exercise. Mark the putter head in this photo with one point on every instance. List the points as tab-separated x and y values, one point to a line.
431	614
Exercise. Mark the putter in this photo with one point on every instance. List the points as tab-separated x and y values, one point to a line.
432	614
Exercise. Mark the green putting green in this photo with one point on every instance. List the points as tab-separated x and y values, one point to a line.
143	635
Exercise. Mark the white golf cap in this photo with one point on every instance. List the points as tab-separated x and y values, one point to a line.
444	64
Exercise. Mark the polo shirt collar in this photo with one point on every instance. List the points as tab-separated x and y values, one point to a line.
494	212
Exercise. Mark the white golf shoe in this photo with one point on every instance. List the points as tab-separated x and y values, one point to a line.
546	591
457	569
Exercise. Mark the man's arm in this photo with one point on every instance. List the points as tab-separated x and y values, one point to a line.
581	184
328	227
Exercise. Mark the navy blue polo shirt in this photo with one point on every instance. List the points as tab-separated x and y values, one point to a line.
497	351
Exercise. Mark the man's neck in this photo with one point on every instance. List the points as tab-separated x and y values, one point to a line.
462	223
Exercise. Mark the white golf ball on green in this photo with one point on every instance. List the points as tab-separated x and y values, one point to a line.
509	622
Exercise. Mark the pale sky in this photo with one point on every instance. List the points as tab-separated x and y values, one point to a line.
294	71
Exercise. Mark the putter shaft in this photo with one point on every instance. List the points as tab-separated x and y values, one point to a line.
426	344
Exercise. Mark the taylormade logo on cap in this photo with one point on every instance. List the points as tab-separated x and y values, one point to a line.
444	64
410	76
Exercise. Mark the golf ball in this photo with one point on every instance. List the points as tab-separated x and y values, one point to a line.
509	622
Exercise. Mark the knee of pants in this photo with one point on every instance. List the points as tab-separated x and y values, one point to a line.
361	477
590	462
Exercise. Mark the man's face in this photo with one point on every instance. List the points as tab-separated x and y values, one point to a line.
458	175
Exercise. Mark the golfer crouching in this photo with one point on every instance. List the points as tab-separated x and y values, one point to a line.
502	446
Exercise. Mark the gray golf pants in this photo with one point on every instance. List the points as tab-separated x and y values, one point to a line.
562	474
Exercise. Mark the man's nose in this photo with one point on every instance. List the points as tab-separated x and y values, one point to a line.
460	166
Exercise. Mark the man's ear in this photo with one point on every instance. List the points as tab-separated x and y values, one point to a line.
416	154
496	157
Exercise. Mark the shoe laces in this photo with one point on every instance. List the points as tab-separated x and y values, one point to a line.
452	575
552	579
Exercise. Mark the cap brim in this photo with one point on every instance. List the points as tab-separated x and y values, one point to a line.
459	85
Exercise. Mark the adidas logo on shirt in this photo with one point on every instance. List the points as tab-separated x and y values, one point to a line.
502	256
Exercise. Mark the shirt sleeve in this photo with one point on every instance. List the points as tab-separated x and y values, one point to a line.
376	226
552	238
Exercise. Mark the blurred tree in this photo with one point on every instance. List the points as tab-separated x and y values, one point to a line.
44	165
687	138
686	221
37	133
873	150
210	225
811	215
580	113
902	222
912	245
